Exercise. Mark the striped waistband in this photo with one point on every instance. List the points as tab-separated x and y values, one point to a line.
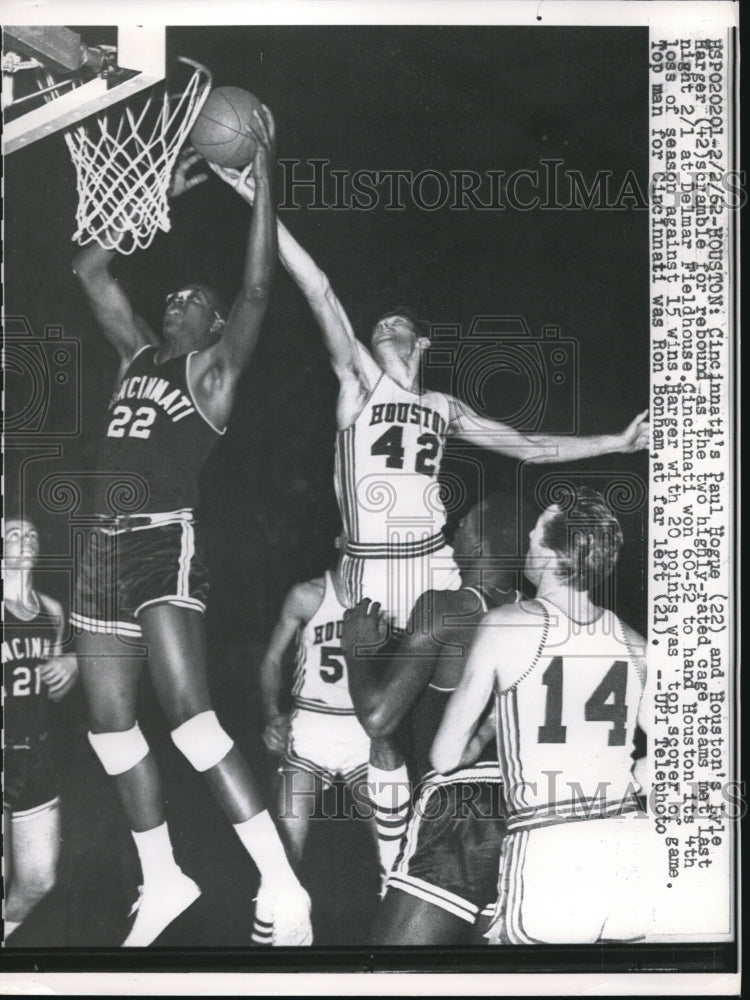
318	706
483	770
572	811
396	550
119	523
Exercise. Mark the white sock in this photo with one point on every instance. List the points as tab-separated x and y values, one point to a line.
261	840
10	926
155	851
262	932
390	794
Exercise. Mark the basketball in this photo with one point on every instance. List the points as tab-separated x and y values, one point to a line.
222	132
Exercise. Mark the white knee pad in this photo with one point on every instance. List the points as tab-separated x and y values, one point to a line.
118	752
202	740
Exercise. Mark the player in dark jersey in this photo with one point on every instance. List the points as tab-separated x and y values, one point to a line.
34	672
446	873
142	577
567	681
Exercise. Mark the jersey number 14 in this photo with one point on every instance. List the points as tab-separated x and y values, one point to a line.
606	704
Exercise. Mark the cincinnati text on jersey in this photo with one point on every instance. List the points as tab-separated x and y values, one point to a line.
175	403
26	648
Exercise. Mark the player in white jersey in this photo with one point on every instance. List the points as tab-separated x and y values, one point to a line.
322	740
391	439
569	677
387	466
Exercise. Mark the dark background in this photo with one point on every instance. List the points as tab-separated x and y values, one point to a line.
366	98
363	98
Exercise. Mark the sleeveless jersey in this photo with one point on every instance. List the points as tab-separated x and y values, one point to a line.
387	463
156	433
26	645
320	680
429	709
566	728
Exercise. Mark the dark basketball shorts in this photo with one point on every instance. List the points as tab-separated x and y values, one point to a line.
450	855
129	564
30	783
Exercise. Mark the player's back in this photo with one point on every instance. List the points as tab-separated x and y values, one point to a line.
566	728
457	616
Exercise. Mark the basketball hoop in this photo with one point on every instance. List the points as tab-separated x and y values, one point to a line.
124	162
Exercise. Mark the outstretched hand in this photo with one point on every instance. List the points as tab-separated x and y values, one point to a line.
180	182
636	435
364	626
243	181
276	734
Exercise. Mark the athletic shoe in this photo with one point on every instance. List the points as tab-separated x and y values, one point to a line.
282	920
158	906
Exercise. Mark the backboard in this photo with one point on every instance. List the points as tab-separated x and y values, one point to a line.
72	79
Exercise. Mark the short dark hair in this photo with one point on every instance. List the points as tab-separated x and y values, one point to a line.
422	327
586	536
500	522
219	300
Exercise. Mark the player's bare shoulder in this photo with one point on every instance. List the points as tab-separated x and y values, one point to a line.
304	599
357	379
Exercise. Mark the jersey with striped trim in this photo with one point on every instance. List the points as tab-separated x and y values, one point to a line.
320	679
155	441
566	727
26	646
387	463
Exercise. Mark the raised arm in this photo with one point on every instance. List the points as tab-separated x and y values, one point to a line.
217	369
350	359
126	331
544	448
383	690
300	605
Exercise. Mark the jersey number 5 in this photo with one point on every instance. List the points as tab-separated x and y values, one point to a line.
606	704
331	667
138	424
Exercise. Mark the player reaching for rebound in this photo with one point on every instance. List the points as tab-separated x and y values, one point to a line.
389	449
568	677
322	741
34	673
171	405
446	874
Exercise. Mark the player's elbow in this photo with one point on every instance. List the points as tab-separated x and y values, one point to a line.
258	291
442	759
89	261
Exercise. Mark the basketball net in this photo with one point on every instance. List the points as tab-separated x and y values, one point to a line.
124	162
